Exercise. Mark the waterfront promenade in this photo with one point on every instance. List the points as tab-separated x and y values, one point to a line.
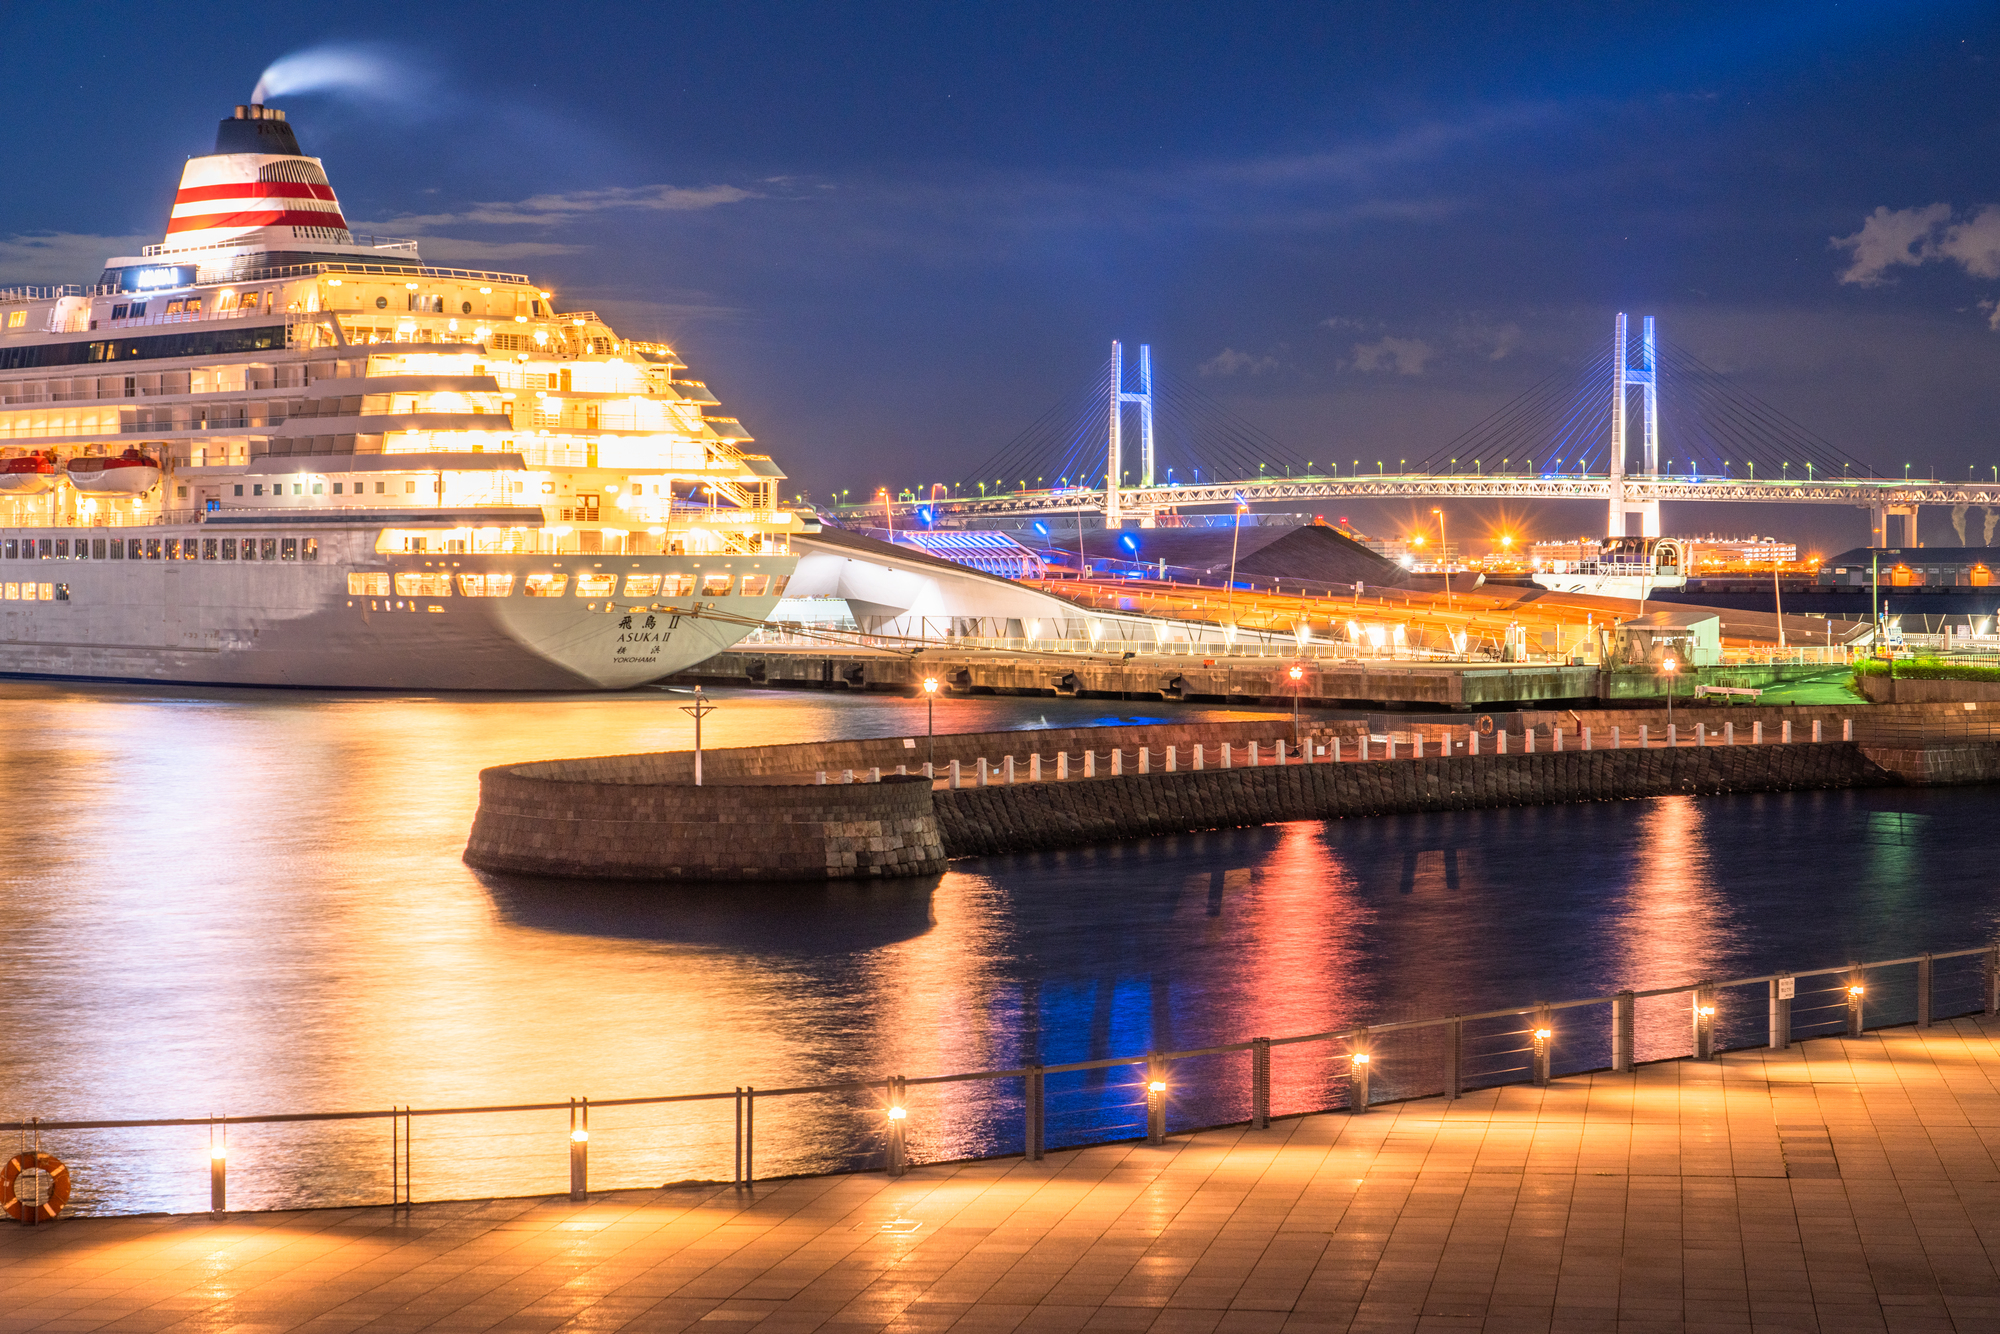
1842	1184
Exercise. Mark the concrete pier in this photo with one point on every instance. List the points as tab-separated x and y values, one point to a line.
1839	1185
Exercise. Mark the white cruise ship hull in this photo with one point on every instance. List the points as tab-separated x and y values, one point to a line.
198	622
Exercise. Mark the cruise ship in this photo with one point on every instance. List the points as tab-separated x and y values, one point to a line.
271	452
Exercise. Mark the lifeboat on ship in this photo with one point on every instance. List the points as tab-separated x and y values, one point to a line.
130	473
29	475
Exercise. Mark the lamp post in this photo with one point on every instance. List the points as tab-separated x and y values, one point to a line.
1444	556
930	722
698	710
1298	675
1235	535
1667	666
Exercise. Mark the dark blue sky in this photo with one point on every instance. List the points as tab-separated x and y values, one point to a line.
890	237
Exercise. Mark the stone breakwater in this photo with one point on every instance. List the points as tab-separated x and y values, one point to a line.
766	813
1033	816
538	819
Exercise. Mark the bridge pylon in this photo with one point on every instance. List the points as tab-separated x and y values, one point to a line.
1114	510
1624	377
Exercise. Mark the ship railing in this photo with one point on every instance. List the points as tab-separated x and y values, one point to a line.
191	317
234	275
1025	1107
13	295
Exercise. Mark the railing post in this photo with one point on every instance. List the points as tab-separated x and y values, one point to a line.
1359	1058
218	1170
1704	1022
1543	1038
749	1134
1260	1084
1454	1059
1991	968
957	776
1782	990
1924	976
1037	1107
1847	729
579	1151
897	1114
1156	1100
1624	1009
1856	992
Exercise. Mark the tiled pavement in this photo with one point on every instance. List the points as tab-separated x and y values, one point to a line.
1843	1185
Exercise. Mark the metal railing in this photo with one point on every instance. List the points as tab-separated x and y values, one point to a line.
877	1123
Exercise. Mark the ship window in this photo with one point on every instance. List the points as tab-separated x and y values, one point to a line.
337	486
17	319
642	585
368	585
256	490
546	585
716	584
13	551
409	488
12	592
97	549
309	548
248	301
208	548
486	585
249	548
239	488
62	592
270	551
138	309
676	585
229	548
381	303
754	585
44	552
778	589
381	488
173	548
595	585
118	312
152	548
173	307
414	584
132	549
288	549
62	548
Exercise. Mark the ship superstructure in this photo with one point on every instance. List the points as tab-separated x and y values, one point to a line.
269	450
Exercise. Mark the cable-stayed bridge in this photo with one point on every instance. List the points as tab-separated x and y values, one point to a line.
1643	423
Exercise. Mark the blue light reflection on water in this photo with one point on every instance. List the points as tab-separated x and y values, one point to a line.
252	902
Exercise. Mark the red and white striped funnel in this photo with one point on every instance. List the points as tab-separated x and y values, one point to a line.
256	190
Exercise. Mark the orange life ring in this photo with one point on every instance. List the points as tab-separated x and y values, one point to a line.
58	1188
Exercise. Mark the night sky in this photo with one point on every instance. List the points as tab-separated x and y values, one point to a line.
890	237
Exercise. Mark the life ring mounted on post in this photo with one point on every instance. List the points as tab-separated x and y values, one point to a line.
1486	724
49	1199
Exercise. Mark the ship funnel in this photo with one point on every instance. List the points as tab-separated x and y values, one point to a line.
257	128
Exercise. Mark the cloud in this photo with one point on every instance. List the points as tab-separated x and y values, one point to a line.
62	257
1403	356
1231	362
1890	238
556	209
1492	341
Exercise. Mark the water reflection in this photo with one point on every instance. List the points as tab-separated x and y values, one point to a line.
246	902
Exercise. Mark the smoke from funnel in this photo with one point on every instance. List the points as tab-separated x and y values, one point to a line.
331	68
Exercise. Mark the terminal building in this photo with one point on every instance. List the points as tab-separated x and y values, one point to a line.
1911	567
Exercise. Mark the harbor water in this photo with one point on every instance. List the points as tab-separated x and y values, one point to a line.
244	902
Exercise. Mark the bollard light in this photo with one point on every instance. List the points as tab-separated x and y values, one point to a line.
1544	1033
1157	1086
579	1136
1856	991
1360	1058
1708	1012
898	1113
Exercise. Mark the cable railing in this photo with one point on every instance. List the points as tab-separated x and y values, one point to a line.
889	1121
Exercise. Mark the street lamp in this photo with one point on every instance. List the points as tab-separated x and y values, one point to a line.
1298	675
930	724
1444	555
698	710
